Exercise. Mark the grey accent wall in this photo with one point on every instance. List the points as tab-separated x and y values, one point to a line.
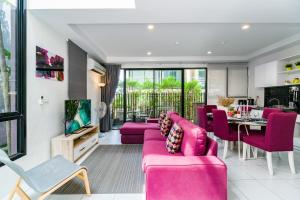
77	71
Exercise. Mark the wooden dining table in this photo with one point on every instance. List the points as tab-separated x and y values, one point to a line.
243	121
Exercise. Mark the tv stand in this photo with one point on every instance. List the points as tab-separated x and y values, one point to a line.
74	146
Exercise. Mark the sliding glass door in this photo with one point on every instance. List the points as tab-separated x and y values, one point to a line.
167	91
147	92
194	91
139	88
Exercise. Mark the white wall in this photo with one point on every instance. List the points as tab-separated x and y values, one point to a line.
43	122
276	55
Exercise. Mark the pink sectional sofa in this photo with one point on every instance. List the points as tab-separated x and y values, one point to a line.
194	173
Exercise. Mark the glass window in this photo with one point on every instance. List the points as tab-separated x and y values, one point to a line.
238	82
216	84
150	91
194	91
12	78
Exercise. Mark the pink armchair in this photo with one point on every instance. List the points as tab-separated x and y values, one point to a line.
279	136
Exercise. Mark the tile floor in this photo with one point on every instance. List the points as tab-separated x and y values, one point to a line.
247	180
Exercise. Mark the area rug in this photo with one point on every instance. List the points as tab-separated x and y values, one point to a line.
111	169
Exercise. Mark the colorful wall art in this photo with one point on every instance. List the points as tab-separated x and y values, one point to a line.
49	65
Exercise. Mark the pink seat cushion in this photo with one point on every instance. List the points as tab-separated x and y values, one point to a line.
255	140
152	147
194	139
157	148
134	128
153	134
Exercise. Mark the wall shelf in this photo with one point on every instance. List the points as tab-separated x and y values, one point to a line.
294	71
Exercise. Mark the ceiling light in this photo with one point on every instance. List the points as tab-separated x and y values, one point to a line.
150	27
223	43
209	52
149	53
245	26
177	43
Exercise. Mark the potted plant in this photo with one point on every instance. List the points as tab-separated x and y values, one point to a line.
289	66
225	102
297	64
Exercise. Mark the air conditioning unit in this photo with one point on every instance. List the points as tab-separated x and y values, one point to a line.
95	66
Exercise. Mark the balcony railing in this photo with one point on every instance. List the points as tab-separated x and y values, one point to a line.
142	104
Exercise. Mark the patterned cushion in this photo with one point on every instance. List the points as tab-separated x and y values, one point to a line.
174	139
162	116
165	126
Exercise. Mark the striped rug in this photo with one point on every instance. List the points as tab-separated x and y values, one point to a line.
111	169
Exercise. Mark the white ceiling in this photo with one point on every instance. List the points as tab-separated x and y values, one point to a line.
121	35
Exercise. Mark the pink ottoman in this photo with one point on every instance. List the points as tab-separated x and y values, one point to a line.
133	132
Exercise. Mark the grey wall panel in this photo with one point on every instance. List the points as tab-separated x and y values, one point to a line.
77	71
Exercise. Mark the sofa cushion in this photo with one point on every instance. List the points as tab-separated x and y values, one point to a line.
152	134
134	128
174	139
156	148
162	116
175	118
166	126
194	139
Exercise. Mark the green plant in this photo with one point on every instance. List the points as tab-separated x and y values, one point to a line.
133	84
147	84
169	82
288	66
297	63
192	86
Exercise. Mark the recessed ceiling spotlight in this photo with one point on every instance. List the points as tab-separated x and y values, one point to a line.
177	43
149	53
209	52
150	27
223	43
245	27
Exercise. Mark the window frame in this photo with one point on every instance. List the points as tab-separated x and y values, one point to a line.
20	113
182	69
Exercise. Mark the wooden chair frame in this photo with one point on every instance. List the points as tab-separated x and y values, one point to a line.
81	174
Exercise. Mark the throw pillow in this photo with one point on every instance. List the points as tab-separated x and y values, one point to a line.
174	139
165	126
162	116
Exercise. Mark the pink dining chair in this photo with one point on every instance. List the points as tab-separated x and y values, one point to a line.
279	137
209	108
268	111
203	119
223	130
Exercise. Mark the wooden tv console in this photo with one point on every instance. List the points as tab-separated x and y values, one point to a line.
74	146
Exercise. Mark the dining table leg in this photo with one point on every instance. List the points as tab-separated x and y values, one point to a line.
239	142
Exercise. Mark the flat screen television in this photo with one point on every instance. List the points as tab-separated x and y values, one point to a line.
77	115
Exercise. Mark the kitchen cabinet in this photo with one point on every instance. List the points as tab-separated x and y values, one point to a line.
266	75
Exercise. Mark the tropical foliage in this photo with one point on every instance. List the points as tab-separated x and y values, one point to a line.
166	94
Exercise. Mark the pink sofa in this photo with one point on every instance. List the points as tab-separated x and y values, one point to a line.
133	132
193	173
